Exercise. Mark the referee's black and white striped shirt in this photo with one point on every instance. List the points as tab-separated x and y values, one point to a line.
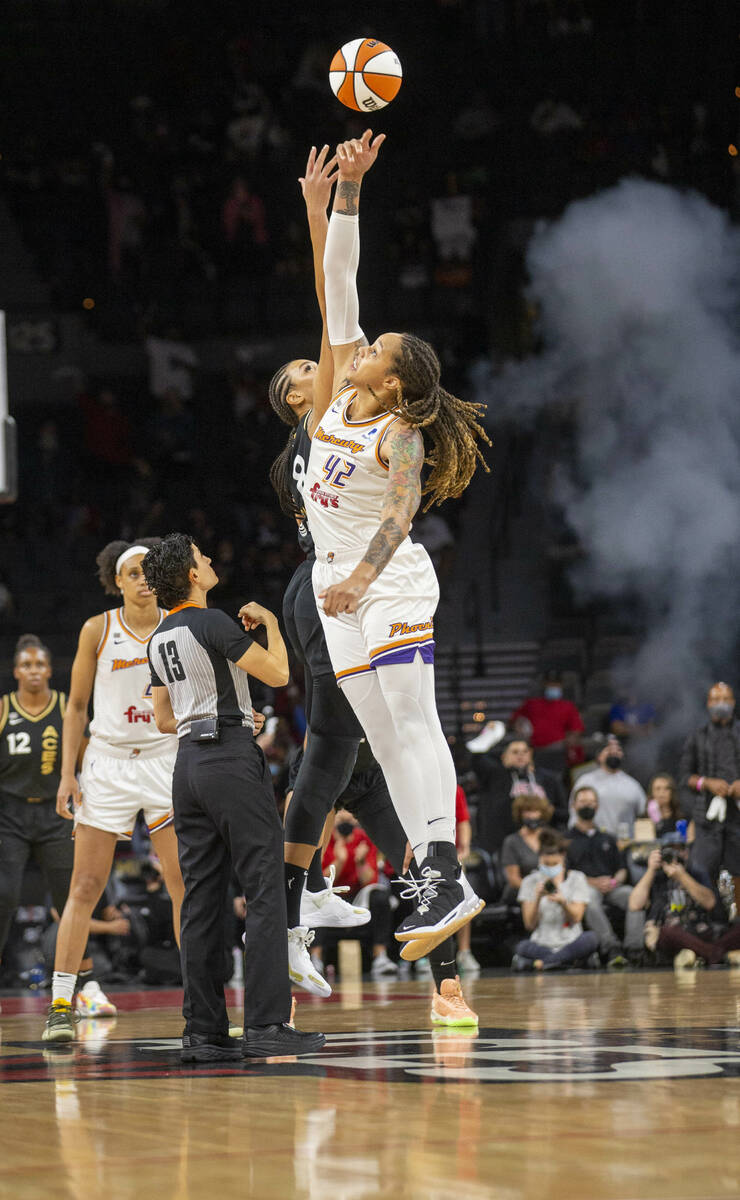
192	654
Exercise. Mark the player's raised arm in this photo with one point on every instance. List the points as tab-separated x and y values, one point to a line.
316	185
342	254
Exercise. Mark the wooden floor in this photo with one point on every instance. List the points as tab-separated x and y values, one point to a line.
580	1087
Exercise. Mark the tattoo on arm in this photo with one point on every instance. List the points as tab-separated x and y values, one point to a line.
402	496
348	190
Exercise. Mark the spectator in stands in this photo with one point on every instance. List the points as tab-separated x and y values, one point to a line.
551	721
504	777
662	806
628	718
355	860
520	853
684	918
709	775
553	902
597	855
621	798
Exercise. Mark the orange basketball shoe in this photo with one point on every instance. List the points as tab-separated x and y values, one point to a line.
449	1006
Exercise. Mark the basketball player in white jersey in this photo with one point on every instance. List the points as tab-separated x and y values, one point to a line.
127	767
377	592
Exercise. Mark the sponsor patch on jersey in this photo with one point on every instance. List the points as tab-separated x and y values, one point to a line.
401	629
134	714
325	499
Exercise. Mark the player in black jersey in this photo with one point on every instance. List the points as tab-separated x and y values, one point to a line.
30	767
300	393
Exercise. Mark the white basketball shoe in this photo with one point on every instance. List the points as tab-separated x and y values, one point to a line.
327	909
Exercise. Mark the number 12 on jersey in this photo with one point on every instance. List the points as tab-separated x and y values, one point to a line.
337	470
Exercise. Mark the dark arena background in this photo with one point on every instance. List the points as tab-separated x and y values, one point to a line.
555	209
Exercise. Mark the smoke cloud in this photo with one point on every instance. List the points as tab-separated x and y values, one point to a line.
638	296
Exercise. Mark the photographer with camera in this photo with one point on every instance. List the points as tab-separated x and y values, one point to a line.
684	917
553	902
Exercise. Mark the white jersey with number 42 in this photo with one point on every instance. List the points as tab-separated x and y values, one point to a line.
346	479
122	698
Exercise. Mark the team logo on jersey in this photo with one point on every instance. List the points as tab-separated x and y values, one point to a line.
331	439
401	629
134	714
325	499
49	749
120	664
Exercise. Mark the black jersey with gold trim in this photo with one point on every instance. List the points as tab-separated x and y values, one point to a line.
31	747
300	448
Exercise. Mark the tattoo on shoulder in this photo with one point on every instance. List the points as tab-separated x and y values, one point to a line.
349	191
402	496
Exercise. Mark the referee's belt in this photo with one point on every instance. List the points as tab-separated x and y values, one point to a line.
35	799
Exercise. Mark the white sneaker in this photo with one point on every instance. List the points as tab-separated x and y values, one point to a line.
423	968
301	969
91	1001
382	965
467	964
325	909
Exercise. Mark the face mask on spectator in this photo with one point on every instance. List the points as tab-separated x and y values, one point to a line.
613	761
345	829
551	872
533	822
721	711
586	812
553	692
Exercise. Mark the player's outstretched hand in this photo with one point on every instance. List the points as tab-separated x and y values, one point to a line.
254	614
68	786
356	156
318	180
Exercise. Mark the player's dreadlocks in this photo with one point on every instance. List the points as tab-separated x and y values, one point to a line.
280	386
453	425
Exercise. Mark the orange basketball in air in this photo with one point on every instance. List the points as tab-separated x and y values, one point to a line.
365	75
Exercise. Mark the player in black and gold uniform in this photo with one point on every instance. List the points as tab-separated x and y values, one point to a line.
30	765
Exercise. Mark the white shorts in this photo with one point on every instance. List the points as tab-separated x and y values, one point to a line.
395	618
114	789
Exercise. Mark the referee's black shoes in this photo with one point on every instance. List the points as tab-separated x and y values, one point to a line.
268	1041
209	1047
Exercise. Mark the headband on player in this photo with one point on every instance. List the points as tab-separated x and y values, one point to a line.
128	554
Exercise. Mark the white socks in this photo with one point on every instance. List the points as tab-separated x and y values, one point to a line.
63	986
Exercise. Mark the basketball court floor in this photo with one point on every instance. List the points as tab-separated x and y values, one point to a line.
577	1086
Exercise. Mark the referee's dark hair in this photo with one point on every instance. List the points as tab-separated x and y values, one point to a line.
29	641
109	556
167	569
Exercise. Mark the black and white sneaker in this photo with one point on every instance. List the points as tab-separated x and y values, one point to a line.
444	900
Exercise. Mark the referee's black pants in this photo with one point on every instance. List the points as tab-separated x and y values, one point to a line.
225	815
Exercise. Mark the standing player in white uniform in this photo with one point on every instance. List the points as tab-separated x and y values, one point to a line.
127	767
377	591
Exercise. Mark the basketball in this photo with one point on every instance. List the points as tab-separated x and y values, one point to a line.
365	74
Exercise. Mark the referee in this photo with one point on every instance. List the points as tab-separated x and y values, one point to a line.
224	805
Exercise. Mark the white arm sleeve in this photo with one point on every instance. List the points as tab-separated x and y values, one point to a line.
341	259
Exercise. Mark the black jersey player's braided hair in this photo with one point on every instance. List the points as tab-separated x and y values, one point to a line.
108	557
453	425
29	641
280	386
